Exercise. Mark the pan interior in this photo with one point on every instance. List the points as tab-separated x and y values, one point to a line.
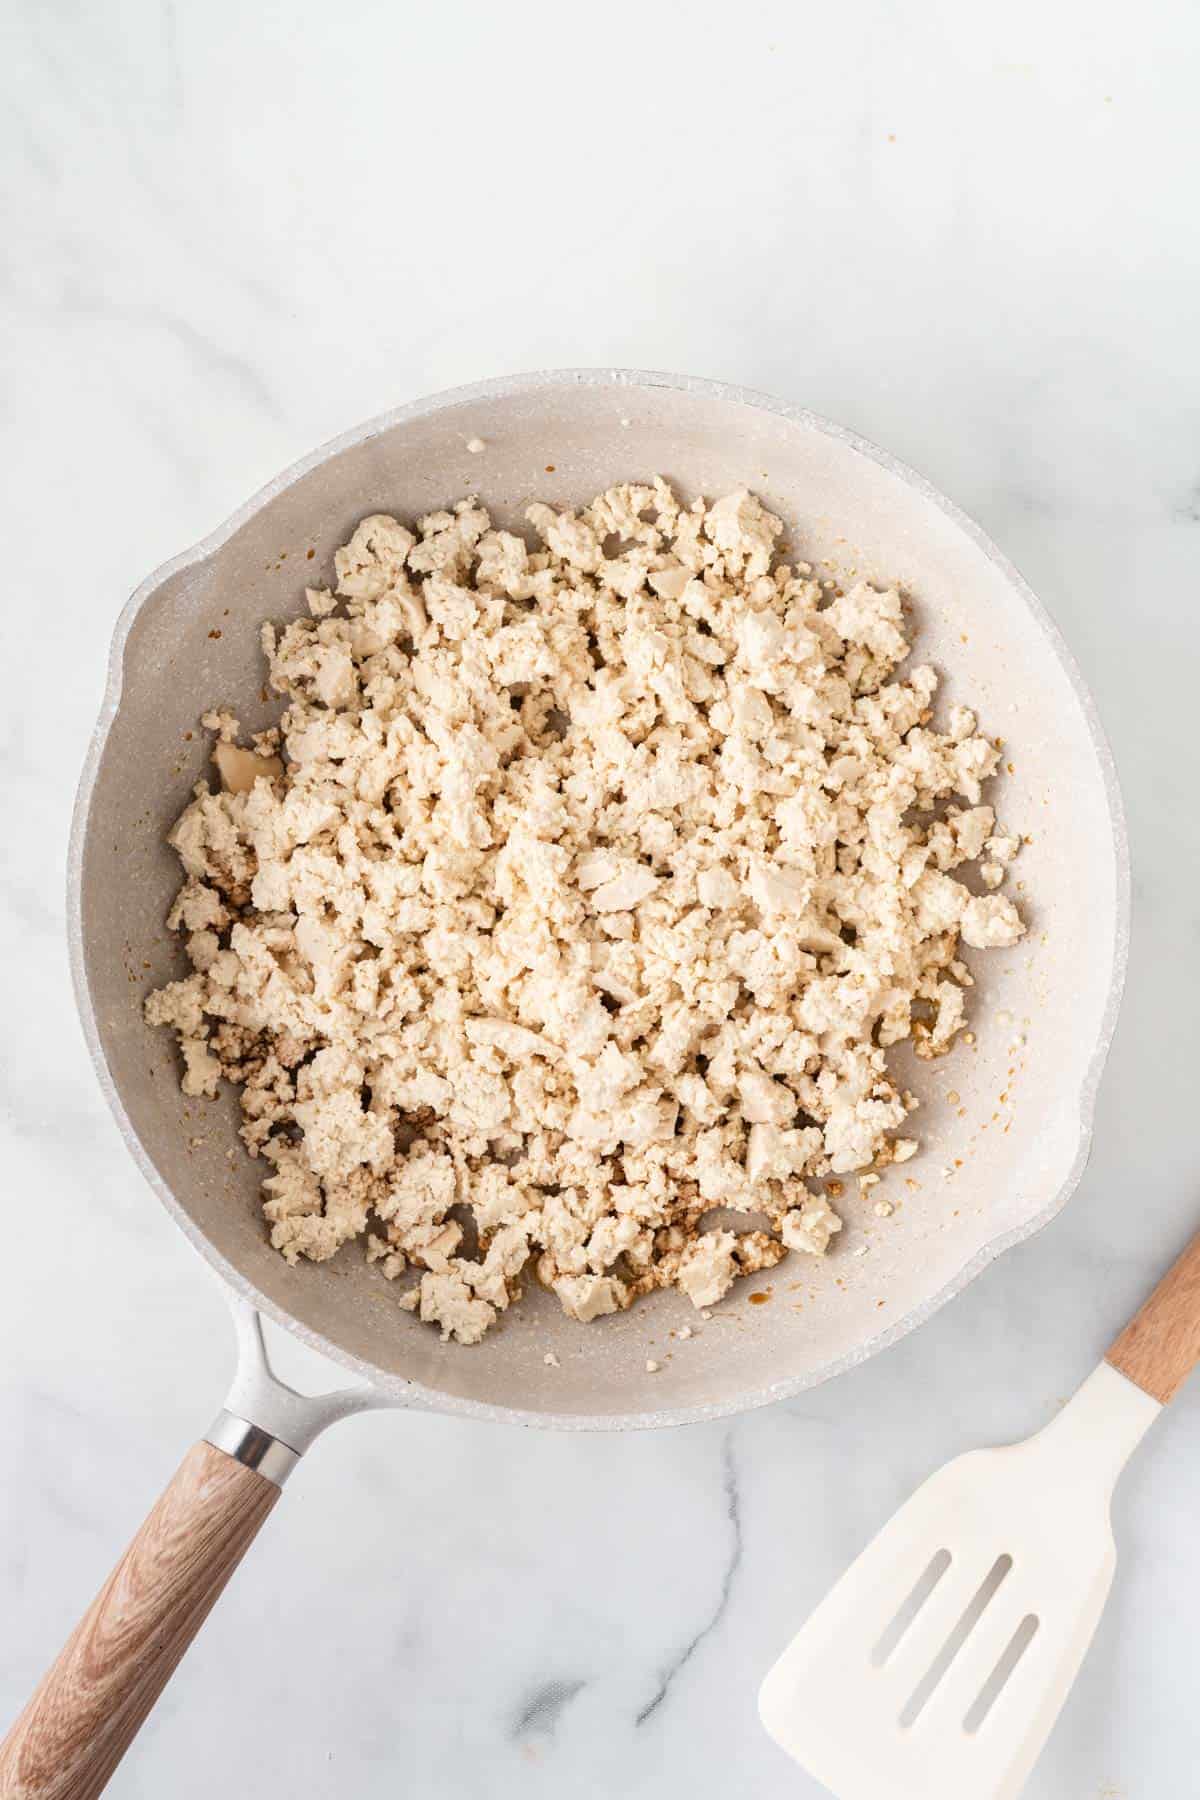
1011	1136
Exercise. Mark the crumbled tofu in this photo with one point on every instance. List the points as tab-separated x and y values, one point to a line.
447	1300
991	920
581	891
810	1227
651	1366
224	723
706	1269
320	602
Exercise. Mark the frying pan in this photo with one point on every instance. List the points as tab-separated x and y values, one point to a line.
1005	1123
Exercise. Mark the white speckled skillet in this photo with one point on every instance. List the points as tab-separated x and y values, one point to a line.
1008	1116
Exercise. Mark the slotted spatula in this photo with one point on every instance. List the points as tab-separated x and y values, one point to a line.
937	1666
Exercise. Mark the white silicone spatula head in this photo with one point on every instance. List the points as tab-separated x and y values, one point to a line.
937	1666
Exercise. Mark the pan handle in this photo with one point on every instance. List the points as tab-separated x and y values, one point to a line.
93	1700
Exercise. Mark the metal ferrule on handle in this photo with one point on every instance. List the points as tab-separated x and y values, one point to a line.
253	1447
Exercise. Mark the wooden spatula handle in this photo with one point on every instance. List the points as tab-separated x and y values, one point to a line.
1160	1346
91	1703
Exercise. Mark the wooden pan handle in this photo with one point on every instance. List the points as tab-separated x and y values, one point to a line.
92	1702
1160	1346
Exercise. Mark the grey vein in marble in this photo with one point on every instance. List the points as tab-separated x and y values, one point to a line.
542	1710
733	1514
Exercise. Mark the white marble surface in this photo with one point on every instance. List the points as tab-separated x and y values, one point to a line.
231	231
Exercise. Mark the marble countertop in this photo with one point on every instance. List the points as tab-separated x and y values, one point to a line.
233	231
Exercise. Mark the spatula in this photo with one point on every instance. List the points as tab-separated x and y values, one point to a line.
937	1666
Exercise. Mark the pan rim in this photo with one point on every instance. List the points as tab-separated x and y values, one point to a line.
399	1389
